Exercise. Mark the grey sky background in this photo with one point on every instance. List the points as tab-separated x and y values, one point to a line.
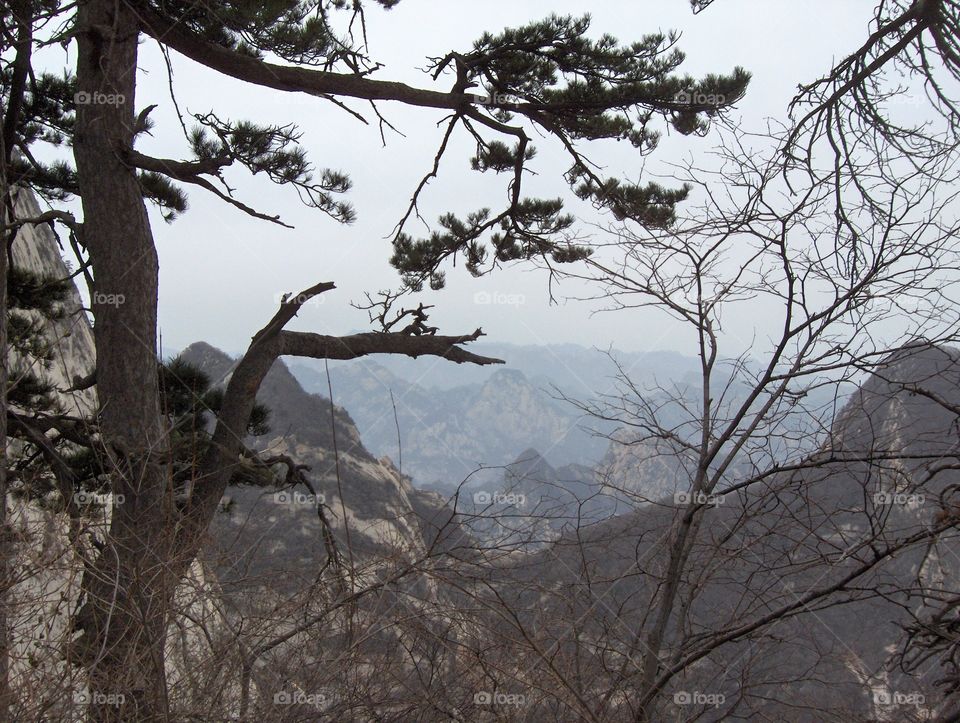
222	272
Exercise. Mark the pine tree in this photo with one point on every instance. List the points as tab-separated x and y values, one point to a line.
553	77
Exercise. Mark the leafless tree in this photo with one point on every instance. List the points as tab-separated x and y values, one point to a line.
841	226
762	418
557	81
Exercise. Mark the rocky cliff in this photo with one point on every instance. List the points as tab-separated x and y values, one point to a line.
47	550
371	508
69	336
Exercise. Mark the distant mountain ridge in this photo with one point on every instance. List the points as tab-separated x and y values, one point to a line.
534	503
454	419
446	434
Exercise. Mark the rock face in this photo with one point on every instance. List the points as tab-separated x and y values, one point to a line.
877	481
642	471
70	336
446	434
39	604
48	564
371	508
533	502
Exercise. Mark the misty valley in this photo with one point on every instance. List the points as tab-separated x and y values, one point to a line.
405	361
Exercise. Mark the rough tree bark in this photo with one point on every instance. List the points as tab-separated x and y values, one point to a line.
125	597
5	537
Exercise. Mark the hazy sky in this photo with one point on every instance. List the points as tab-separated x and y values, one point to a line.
222	272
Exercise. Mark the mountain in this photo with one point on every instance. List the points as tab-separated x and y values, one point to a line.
371	508
441	434
643	470
646	461
446	434
534	503
884	476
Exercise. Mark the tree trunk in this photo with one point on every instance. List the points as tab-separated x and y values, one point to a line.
127	592
680	546
23	19
5	536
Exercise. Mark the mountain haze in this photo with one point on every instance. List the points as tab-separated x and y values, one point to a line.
769	546
445	434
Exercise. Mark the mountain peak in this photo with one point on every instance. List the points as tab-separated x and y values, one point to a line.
915	361
202	347
215	363
899	402
531	465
